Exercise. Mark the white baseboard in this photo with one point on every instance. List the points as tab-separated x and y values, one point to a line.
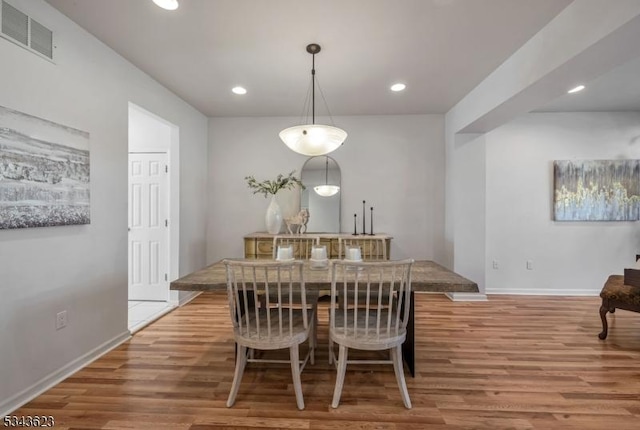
466	297
30	393
542	292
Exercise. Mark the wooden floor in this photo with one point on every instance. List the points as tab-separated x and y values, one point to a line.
513	362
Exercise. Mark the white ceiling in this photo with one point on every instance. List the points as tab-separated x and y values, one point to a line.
440	48
616	90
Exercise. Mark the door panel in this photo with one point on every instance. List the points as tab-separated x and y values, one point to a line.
148	231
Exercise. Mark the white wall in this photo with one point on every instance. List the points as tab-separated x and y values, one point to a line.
147	132
395	163
568	257
83	269
468	203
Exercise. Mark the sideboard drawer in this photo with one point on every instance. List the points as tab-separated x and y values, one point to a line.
264	248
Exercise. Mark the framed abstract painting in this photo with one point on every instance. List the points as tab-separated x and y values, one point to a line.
44	172
596	190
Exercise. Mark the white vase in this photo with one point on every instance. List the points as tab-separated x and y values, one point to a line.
289	201
273	217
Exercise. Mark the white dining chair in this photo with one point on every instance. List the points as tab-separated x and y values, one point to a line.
301	248
372	248
301	244
280	324
373	317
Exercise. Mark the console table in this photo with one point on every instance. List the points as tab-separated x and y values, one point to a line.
260	245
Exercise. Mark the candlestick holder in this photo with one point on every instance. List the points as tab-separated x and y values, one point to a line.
355	224
364	227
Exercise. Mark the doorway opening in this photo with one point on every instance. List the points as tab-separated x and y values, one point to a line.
153	212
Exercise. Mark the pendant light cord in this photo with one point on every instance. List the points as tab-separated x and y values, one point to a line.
326	172
311	92
313	88
326	106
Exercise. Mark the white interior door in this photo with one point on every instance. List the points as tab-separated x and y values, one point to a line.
148	226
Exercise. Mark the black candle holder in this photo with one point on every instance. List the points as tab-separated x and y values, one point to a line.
355	225
364	227
371	223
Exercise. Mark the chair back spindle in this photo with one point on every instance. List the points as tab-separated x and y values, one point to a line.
302	245
369	300
372	248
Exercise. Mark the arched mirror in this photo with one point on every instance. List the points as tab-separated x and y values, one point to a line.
321	196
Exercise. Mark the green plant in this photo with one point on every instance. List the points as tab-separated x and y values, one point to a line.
272	187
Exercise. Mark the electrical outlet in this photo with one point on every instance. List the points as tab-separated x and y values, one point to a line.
61	320
495	264
529	264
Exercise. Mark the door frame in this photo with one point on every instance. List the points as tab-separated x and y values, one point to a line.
173	161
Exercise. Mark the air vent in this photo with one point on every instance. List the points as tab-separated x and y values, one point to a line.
41	39
25	31
15	24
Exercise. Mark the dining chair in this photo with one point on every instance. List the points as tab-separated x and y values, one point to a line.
375	320
281	324
302	245
372	248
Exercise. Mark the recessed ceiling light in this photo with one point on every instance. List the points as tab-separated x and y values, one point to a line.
239	90
576	89
398	87
167	4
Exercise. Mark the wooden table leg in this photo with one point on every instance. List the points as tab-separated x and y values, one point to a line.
408	347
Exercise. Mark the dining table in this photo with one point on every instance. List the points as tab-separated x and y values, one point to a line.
426	276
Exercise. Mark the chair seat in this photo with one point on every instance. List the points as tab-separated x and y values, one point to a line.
354	335
615	289
617	295
291	332
311	300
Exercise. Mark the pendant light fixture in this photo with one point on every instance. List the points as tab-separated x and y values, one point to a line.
313	139
167	4
326	190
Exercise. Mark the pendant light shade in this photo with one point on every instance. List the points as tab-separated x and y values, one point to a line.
167	4
326	190
313	139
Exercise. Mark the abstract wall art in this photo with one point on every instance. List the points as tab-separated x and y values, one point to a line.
596	190
44	172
